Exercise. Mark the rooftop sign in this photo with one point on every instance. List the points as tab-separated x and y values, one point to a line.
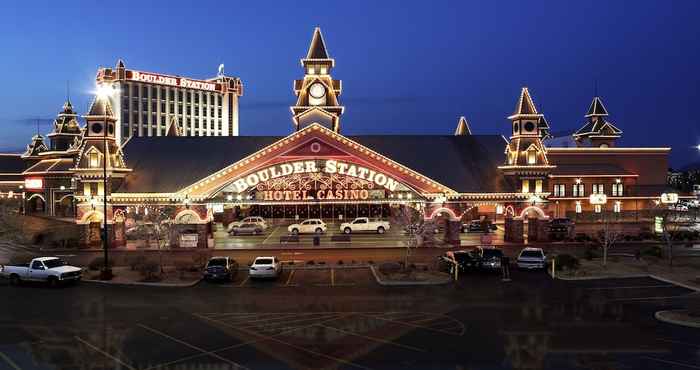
182	82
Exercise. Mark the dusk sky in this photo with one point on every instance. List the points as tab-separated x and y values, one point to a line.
407	67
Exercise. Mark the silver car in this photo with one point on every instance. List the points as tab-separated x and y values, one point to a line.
246	228
265	267
531	258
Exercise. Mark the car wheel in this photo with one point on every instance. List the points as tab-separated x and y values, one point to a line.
15	280
319	231
295	231
380	230
255	232
347	230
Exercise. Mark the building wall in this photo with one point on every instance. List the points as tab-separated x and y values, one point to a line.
650	164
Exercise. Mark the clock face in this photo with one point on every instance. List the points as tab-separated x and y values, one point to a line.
317	90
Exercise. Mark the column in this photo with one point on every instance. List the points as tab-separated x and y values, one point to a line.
234	116
201	113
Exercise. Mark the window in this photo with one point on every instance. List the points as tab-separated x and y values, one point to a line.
578	206
617	189
598	189
144	106
597	208
617	207
538	186
578	190
37	265
531	157
94	159
87	191
526	186
559	190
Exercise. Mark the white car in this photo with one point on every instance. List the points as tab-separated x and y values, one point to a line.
312	225
248	220
532	258
265	267
364	224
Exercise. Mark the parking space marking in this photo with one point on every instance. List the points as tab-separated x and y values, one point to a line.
289	279
458	325
689	366
272	338
96	349
244	281
271	234
193	346
280	321
379	340
634	287
9	361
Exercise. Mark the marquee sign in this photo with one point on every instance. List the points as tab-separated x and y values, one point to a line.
330	167
171	81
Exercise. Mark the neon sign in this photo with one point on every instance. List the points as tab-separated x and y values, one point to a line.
33	183
330	166
172	81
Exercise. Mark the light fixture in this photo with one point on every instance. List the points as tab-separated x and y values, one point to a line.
103	91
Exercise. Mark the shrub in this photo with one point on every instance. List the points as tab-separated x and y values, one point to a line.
200	258
387	268
136	260
590	253
149	270
566	261
311	262
652	251
98	263
182	267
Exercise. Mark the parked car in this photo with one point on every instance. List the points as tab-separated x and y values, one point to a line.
265	267
477	226
220	268
312	225
364	224
246	228
249	220
489	258
52	270
466	260
138	231
531	258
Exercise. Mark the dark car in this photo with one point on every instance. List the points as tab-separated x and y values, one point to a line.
489	258
466	260
246	228
220	268
478	226
560	227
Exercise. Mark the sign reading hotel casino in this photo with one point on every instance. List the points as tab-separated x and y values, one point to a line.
172	81
330	166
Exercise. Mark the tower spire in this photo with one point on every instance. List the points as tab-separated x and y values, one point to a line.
463	127
317	48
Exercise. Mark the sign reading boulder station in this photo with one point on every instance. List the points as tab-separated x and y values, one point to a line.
172	81
330	166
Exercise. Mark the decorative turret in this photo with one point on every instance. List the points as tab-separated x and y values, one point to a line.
597	131
173	127
526	155
463	127
317	94
36	147
65	129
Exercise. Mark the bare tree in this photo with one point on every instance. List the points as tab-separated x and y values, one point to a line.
673	221
414	227
157	228
608	233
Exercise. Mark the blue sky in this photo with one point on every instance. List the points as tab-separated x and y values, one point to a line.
407	67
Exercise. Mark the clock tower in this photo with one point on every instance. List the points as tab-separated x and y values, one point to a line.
317	94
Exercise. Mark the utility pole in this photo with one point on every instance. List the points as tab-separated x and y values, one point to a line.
107	272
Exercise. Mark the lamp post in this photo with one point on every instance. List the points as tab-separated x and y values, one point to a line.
103	92
665	201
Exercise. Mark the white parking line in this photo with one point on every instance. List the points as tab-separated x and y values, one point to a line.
689	366
383	341
649	298
271	234
96	349
634	287
193	347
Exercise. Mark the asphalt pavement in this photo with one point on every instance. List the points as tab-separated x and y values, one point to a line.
317	320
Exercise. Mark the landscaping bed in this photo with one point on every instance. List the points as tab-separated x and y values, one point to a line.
415	274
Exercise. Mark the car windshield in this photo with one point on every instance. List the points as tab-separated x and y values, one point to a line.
462	256
217	262
490	253
54	263
263	261
531	254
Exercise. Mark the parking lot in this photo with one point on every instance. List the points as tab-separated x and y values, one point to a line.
394	237
303	276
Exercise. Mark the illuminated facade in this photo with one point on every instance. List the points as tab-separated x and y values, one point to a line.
145	103
317	172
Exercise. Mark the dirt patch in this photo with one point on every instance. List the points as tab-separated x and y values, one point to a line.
169	276
413	276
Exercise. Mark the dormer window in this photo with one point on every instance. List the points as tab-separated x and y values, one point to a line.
531	157
94	159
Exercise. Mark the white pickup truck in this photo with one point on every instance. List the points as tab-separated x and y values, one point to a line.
52	270
365	224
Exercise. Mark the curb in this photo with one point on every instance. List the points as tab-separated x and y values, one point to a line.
656	277
404	283
659	315
135	283
665	280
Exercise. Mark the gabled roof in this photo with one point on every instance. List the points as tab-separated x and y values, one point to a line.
463	127
525	107
597	108
168	164
317	48
36	146
101	107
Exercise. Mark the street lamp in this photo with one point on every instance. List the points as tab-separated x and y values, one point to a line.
103	93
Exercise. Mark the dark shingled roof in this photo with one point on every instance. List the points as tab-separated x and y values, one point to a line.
464	163
11	163
589	170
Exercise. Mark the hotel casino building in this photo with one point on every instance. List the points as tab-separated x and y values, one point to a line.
316	171
144	103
